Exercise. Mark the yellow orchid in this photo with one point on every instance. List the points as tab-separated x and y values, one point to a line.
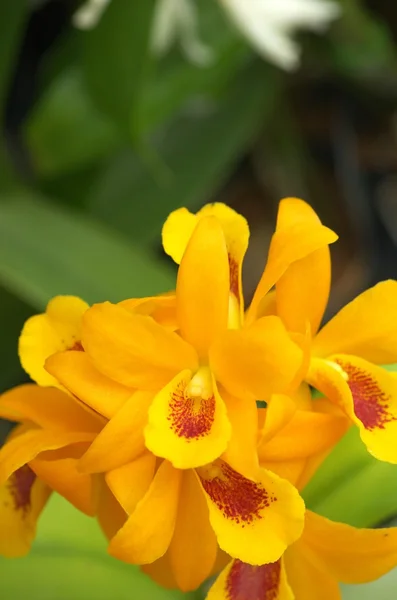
202	383
327	553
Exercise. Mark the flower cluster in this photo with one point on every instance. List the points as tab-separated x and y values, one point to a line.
185	423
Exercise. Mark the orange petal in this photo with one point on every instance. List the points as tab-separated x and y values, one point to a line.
161	308
22	499
295	238
307	581
193	548
202	291
240	581
147	533
256	361
303	290
121	440
254	521
111	517
47	407
58	329
367	394
188	424
134	350
348	554
63	477
130	482
75	371
280	410
366	327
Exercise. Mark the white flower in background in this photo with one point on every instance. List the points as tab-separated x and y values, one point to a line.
267	24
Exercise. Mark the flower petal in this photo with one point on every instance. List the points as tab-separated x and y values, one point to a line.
134	350
256	361
297	236
161	308
121	440
177	231
188	424
58	329
130	482
202	290
348	554
75	371
366	327
22	498
302	292
63	477
147	533
306	580
111	517
279	412
193	548
367	394
240	581
254	521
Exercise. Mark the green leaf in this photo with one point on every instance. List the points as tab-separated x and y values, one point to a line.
69	561
45	251
12	19
116	56
199	151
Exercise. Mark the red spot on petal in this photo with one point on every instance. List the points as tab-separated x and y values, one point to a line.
240	499
371	403
20	486
246	582
77	346
191	418
234	276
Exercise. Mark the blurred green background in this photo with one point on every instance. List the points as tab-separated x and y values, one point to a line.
101	140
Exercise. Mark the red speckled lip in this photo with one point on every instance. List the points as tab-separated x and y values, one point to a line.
239	499
371	403
245	582
190	418
20	485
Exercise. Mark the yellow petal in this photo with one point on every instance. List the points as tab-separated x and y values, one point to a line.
22	498
130	482
161	308
188	424
240	581
280	410
256	361
121	440
58	329
294	239
177	231
241	452
75	371
202	290
348	554
303	290
367	394
49	408
254	521
134	350
306	580
147	533
111	517
193	548
366	327
63	477
291	470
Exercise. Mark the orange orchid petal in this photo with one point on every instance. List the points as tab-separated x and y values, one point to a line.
47	407
254	521
111	517
240	581
202	290
161	308
307	581
58	329
294	239
130	482
193	548
348	554
22	498
302	292
366	327
134	350
121	440
256	361
367	394
147	533
63	477
188	424
75	371
279	412
291	470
